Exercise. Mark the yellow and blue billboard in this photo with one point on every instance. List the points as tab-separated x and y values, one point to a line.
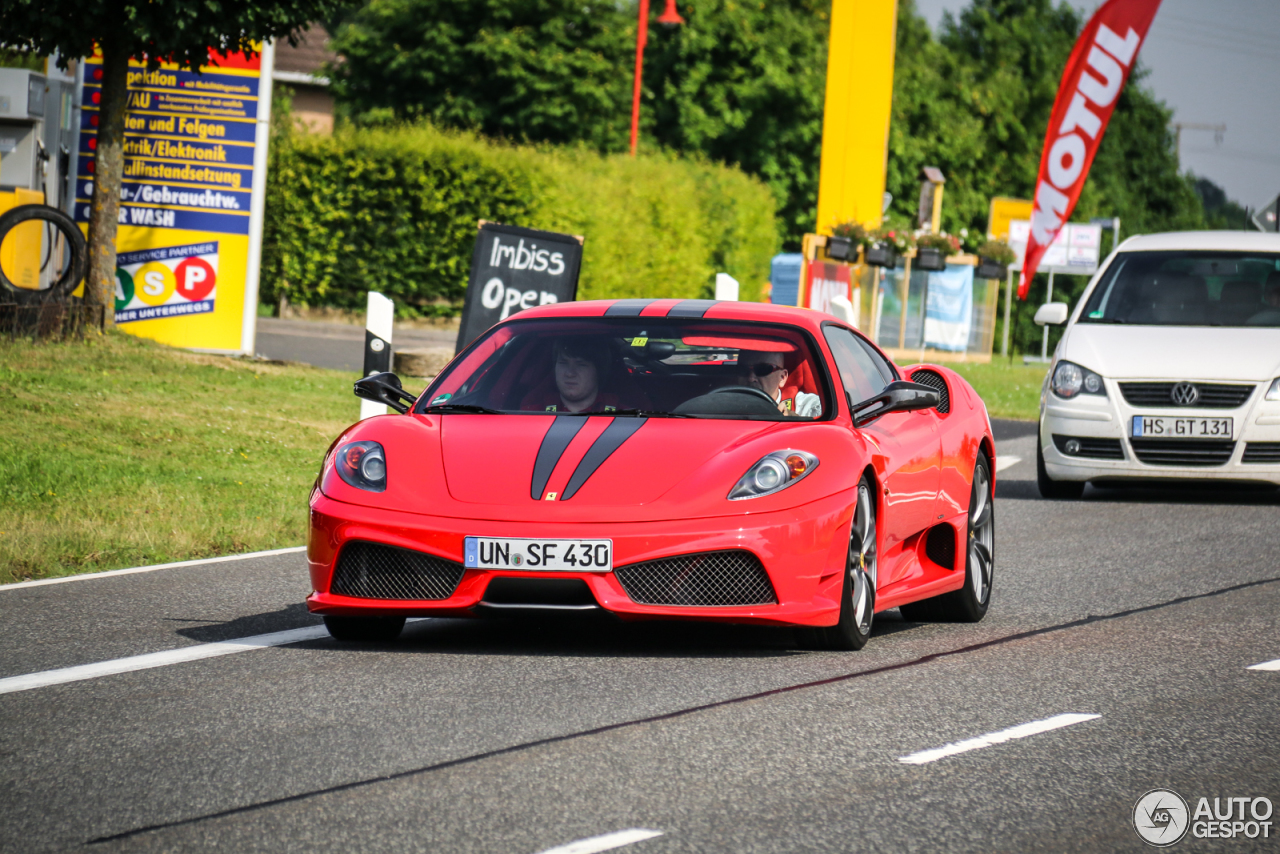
191	201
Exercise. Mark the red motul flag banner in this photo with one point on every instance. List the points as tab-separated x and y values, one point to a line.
1096	72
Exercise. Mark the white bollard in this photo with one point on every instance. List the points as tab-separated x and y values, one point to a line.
842	309
379	321
726	287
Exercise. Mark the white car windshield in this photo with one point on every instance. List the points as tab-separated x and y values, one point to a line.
1188	289
660	367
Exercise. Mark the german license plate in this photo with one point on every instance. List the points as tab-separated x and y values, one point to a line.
1162	427
538	555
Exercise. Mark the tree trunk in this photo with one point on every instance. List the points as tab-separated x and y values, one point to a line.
108	171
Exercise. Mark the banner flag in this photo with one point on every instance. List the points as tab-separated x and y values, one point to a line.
1096	71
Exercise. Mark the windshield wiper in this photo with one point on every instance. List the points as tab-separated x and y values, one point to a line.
644	413
460	407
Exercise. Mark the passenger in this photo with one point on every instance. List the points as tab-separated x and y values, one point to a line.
1269	316
767	372
580	363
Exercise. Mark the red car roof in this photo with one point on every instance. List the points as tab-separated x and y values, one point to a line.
711	309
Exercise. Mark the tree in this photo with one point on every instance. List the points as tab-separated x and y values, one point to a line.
178	31
530	70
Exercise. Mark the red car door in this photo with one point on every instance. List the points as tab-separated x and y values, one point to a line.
907	442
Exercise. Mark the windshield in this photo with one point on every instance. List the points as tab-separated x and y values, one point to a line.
661	367
1188	289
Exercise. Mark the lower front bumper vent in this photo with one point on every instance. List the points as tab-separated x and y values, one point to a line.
1183	452
1086	446
1261	452
714	579
376	571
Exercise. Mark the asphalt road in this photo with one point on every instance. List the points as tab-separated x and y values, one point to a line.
339	346
1143	608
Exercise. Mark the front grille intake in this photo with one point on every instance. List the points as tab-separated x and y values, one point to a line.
1212	395
1183	452
924	376
376	571
1087	446
706	579
1261	452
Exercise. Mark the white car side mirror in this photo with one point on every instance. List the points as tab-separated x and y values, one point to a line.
1052	314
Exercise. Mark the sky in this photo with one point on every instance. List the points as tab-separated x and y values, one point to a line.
1213	62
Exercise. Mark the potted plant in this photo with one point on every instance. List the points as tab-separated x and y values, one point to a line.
844	241
932	251
885	245
995	256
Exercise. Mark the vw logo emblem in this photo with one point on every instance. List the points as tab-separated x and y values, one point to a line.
1185	394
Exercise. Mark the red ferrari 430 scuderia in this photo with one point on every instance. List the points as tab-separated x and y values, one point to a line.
672	459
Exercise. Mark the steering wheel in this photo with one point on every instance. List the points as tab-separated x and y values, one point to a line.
747	390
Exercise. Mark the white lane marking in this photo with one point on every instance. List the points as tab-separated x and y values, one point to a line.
1020	731
1266	665
1003	462
46	678
130	571
607	842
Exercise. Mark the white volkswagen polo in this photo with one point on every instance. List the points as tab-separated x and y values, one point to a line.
1169	367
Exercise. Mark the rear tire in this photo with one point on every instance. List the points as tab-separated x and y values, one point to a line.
858	593
969	603
364	629
1061	489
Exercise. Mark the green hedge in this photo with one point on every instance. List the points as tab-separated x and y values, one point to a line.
395	210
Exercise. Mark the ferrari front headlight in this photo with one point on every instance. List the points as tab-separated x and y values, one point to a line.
362	465
774	473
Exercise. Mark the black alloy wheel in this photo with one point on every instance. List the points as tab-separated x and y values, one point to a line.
969	603
858	599
1064	489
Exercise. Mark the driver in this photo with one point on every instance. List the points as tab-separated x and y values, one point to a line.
767	372
579	363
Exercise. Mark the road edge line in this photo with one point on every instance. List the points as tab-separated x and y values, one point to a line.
111	573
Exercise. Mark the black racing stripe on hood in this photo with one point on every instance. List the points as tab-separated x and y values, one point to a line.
618	431
558	437
691	307
627	307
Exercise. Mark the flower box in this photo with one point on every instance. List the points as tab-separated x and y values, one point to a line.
991	269
840	248
928	258
881	255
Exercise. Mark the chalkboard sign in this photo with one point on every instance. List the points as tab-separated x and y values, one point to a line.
515	268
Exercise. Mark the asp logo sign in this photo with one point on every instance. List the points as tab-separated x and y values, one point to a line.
515	268
166	282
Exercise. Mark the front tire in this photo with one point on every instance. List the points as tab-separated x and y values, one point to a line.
364	629
858	593
1061	489
969	603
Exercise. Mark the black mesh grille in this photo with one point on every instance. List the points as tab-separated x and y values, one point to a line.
1261	452
374	571
933	379
1212	395
709	579
1183	452
1100	449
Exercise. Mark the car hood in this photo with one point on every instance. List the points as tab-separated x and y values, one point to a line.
1175	352
507	467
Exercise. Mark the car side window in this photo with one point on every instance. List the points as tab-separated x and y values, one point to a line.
861	370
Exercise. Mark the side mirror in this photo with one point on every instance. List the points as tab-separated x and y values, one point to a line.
384	388
900	396
1052	314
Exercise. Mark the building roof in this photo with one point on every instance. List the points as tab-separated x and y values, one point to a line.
309	57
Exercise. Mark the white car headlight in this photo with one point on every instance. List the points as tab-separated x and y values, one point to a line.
1273	393
1069	379
774	473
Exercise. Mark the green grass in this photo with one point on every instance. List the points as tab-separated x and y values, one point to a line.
1010	389
120	452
